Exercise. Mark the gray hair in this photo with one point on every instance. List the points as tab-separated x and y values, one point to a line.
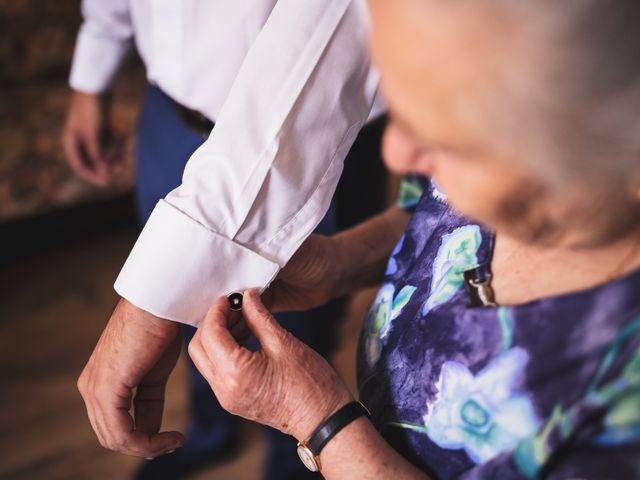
583	97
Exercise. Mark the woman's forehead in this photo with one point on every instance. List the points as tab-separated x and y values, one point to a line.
447	70
446	47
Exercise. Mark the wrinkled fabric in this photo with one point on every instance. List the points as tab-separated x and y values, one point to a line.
546	389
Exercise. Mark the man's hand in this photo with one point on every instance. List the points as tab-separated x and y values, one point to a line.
285	384
90	145
135	351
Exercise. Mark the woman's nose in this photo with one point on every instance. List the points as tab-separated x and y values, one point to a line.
402	154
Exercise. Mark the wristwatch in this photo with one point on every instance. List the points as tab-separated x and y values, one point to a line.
309	451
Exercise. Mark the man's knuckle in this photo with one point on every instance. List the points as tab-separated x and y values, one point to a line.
121	443
81	384
98	393
107	442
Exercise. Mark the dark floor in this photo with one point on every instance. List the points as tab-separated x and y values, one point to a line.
52	309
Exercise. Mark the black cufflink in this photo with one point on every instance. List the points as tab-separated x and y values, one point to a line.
235	301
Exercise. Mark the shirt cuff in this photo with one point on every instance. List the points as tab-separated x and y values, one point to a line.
178	268
96	61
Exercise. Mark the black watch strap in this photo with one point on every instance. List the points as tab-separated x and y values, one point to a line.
332	425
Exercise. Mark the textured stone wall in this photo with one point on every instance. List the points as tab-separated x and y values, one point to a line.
36	48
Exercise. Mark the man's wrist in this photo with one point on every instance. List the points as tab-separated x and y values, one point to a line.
103	99
160	328
173	253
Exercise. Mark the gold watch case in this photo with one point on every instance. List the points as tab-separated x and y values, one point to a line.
308	458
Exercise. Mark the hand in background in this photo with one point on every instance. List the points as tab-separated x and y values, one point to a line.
135	351
91	147
285	384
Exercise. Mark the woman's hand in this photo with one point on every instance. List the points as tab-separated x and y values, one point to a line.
288	386
285	384
324	268
311	278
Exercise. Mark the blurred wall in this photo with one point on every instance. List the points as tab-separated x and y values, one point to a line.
35	52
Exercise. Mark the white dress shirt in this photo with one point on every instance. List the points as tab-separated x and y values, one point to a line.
289	85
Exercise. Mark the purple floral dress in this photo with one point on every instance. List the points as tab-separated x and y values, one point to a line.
547	389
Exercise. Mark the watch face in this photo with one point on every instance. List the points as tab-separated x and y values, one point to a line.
307	458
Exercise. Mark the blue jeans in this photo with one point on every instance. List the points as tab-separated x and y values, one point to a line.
165	144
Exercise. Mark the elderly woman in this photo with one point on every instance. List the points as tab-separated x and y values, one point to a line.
505	340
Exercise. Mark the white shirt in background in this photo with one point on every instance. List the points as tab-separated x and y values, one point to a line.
289	85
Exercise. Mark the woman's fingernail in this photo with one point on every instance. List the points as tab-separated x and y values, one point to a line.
149	458
171	451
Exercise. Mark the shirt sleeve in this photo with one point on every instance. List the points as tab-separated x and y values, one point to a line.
105	37
264	179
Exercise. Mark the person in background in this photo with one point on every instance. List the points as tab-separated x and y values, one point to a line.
504	342
290	88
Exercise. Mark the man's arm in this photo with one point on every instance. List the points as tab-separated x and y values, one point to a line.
264	179
250	195
91	148
105	37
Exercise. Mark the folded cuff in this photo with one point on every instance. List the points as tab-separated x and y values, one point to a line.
178	268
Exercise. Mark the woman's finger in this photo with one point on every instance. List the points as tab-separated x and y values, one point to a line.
261	323
240	331
213	349
234	319
200	359
219	344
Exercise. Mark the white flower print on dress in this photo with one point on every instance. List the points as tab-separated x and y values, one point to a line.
484	414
